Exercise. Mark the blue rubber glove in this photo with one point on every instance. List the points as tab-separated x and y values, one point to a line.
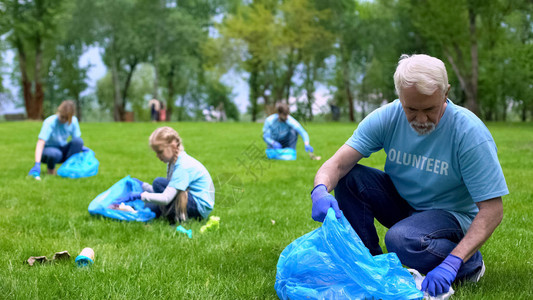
322	201
440	279
308	148
132	196
138	181
36	170
276	145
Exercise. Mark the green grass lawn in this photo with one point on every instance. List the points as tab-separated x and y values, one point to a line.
263	205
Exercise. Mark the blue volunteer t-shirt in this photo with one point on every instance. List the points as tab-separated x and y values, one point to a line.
190	173
55	133
275	130
451	168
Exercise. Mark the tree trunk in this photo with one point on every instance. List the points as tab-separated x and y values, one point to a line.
118	112
182	108
155	93
170	90
349	97
127	83
39	92
472	103
254	91
288	77
78	106
26	84
310	74
468	79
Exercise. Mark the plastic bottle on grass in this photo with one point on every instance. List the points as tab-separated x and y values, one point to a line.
212	223
183	230
85	258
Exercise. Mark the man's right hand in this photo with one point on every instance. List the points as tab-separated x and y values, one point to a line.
322	201
276	145
36	170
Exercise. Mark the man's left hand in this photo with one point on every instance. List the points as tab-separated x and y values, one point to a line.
308	148
440	279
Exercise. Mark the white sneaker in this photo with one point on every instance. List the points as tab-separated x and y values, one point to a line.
477	276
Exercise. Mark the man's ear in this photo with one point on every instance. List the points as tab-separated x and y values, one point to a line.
447	91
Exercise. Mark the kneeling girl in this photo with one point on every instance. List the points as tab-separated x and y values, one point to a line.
187	191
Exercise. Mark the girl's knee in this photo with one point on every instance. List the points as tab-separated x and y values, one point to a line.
159	184
77	140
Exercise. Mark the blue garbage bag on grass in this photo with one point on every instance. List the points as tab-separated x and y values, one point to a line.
82	164
331	262
106	204
281	154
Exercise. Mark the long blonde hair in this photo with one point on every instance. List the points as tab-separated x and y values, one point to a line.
164	136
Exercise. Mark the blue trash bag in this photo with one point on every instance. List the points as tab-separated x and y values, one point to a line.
331	262
105	204
82	164
281	154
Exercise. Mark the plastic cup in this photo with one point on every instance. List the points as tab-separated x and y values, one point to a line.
85	258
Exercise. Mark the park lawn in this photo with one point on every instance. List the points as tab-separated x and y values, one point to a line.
263	206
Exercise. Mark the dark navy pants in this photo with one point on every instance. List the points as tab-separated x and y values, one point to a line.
56	155
287	141
159	185
421	239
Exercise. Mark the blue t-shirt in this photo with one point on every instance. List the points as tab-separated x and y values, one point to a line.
190	173
451	168
275	130
55	133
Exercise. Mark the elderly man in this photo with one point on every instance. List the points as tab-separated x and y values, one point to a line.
440	194
281	130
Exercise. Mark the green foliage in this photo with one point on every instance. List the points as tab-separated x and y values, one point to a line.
145	261
284	48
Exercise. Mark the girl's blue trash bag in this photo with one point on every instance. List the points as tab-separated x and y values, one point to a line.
331	262
105	203
281	154
82	164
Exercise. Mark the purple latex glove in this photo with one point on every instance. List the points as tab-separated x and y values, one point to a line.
322	201
440	279
36	170
138	181
132	196
276	145
308	148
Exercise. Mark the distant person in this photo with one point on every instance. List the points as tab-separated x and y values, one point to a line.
163	113
335	112
441	192
281	130
221	112
187	192
155	106
52	146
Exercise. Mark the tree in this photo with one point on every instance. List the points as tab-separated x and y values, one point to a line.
453	27
31	28
117	27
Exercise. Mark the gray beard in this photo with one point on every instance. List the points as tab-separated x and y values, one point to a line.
428	127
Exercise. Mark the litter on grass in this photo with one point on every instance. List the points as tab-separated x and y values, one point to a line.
62	255
85	258
212	223
182	229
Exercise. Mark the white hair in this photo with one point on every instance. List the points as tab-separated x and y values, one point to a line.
426	73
